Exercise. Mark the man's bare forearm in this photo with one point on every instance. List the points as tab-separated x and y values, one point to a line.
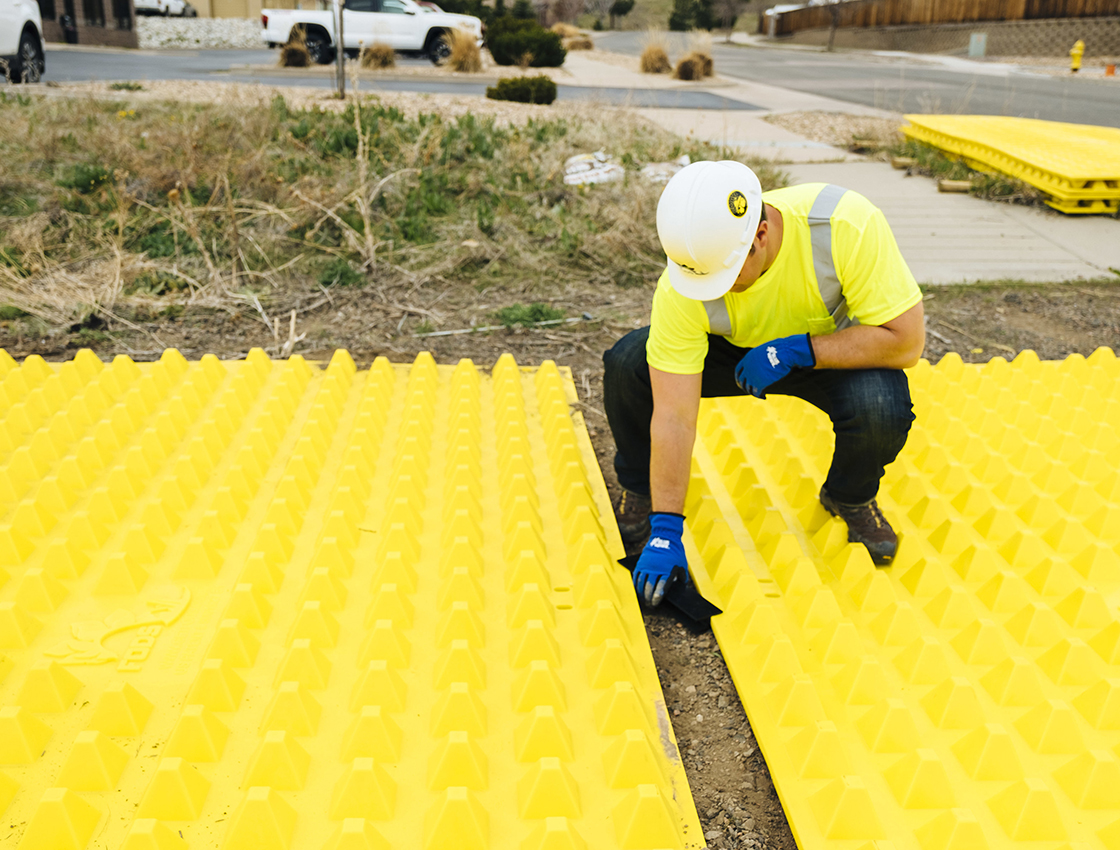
672	431
898	344
671	440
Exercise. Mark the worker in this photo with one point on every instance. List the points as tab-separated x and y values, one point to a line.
799	291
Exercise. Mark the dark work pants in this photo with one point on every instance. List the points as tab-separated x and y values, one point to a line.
870	411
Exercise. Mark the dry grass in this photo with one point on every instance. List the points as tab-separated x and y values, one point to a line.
264	203
707	67
655	60
378	56
465	54
566	30
294	54
691	67
579	43
700	49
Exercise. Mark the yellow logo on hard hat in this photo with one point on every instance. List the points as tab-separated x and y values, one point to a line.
737	203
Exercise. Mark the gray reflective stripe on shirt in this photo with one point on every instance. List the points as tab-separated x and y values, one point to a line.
820	233
719	320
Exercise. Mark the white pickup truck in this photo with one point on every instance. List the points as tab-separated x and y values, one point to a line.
21	41
402	24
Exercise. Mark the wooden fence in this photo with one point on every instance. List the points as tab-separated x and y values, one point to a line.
885	13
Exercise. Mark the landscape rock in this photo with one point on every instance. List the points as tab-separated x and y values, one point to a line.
155	33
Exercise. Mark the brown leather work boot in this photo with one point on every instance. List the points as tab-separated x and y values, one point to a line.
632	514
866	525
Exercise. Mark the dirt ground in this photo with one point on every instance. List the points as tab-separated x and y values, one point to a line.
734	794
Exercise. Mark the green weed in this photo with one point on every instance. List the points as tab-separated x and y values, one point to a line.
126	86
156	283
935	163
84	177
339	272
519	314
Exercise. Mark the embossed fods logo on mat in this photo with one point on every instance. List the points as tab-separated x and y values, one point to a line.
87	644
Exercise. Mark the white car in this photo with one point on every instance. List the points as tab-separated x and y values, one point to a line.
402	24
21	41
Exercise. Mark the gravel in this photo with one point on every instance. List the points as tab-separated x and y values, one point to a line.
198	33
841	129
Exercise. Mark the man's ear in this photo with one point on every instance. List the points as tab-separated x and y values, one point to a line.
763	233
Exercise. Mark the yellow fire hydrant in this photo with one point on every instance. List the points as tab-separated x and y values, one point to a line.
1075	55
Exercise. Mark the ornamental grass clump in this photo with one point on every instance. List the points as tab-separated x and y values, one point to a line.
378	56
689	68
465	55
294	54
655	55
565	30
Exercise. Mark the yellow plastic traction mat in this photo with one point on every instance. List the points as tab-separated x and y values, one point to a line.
261	605
967	697
1078	165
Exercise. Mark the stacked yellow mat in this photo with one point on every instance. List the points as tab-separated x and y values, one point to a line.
968	696
1076	165
267	605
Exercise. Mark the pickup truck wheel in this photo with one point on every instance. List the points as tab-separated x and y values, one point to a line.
29	61
320	50
439	50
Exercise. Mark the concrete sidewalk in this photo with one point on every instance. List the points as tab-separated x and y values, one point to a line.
945	238
962	239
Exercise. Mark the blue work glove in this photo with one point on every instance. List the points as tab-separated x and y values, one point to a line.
772	361
663	551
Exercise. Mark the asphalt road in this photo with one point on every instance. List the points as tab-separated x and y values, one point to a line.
902	83
70	65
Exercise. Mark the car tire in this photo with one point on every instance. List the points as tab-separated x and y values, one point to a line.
439	49
30	62
319	48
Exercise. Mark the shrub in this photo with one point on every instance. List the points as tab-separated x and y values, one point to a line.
565	30
126	86
510	39
378	55
580	43
689	68
294	54
538	89
692	14
465	55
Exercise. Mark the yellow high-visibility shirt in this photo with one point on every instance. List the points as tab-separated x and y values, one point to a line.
786	299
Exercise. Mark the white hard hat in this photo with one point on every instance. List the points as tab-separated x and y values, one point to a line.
706	219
